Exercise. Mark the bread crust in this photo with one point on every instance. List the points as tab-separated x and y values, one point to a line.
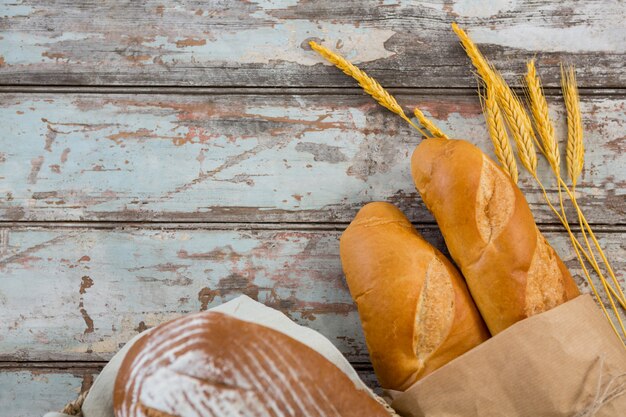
212	364
415	309
510	269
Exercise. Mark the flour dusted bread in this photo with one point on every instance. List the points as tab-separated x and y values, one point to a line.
511	270
212	364
415	309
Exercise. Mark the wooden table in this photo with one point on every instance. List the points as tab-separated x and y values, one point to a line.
160	158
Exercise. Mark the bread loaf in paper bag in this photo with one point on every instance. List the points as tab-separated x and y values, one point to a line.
566	362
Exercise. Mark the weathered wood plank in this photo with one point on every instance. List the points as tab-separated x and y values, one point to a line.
97	288
258	158
33	391
78	294
263	43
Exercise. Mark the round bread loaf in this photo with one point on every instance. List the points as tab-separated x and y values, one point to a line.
212	364
416	312
511	270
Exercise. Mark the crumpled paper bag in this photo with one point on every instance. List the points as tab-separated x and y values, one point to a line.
564	362
99	401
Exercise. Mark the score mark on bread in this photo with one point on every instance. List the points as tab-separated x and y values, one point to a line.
495	201
544	282
435	310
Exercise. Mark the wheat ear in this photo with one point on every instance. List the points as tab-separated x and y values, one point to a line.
517	121
497	132
541	117
367	83
575	154
478	60
430	126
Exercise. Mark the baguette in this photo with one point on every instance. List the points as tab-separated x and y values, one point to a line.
511	270
415	309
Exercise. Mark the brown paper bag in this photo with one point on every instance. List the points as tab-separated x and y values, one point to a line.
565	362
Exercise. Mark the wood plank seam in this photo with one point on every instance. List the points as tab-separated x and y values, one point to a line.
599	91
239	226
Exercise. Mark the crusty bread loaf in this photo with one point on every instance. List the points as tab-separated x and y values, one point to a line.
212	364
415	309
511	270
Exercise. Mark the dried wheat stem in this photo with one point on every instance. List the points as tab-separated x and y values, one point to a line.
430	126
367	83
577	246
585	225
543	123
589	256
497	132
594	263
575	148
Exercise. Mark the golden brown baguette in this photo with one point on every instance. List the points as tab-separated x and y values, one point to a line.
415	309
511	270
212	364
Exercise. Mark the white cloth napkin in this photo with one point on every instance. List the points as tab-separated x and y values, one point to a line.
99	401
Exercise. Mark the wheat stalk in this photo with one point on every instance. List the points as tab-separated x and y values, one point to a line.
541	117
497	132
539	107
575	156
575	160
586	229
574	163
578	249
545	129
575	148
367	83
520	126
430	126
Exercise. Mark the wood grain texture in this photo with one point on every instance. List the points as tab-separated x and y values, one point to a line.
30	390
78	294
256	158
263	42
85	301
33	391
